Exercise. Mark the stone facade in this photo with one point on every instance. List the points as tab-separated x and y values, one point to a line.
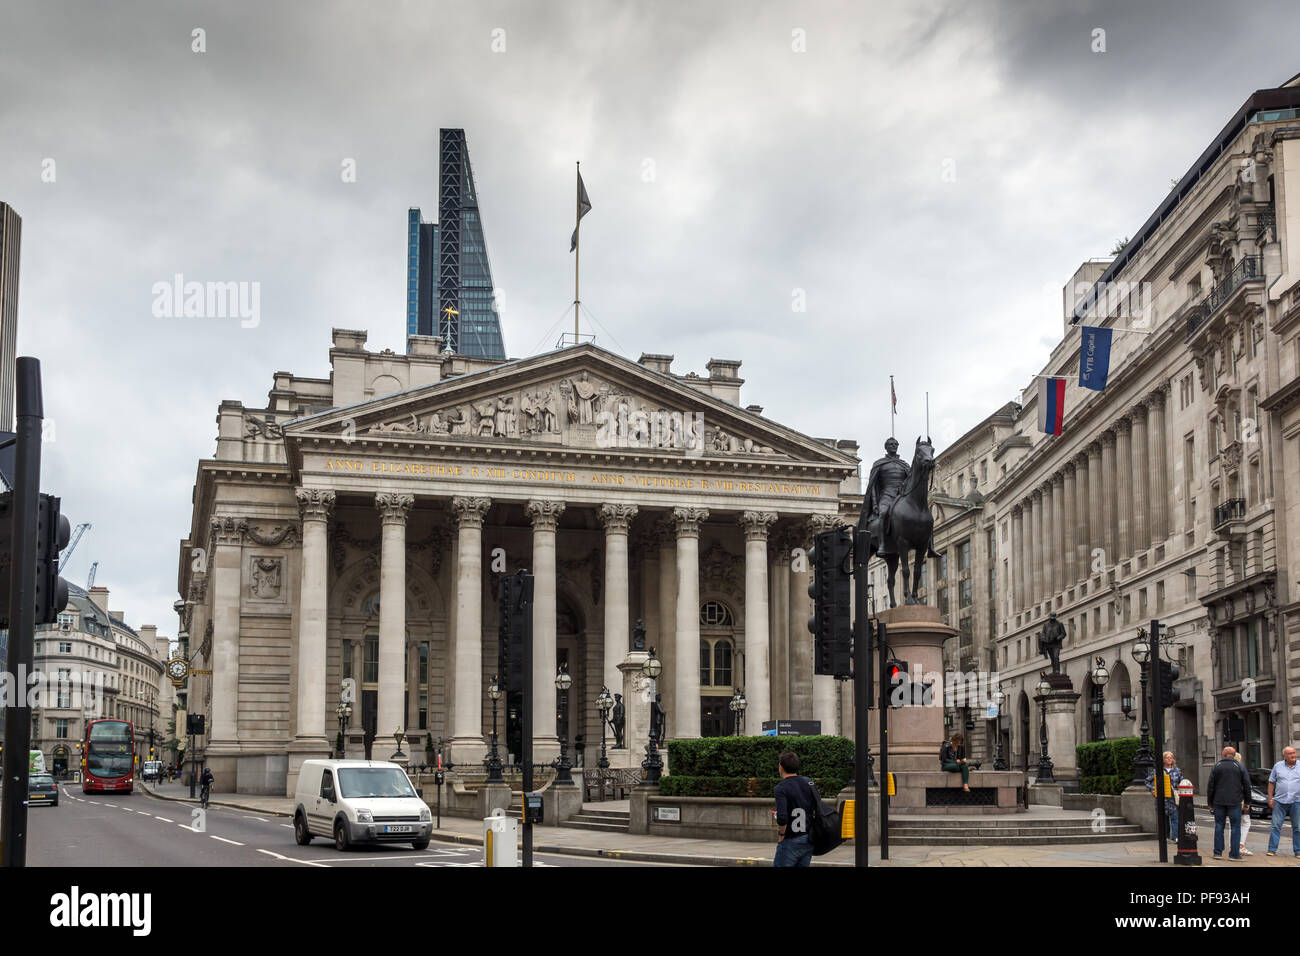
358	527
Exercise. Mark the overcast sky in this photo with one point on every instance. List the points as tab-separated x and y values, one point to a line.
923	176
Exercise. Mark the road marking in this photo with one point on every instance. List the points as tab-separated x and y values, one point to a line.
260	820
163	819
95	802
291	860
286	825
224	840
186	826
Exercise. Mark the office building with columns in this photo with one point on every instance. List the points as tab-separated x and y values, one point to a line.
1169	492
357	526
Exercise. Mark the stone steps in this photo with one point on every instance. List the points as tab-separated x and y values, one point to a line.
1012	832
611	821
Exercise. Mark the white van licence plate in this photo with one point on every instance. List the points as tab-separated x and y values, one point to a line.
397	829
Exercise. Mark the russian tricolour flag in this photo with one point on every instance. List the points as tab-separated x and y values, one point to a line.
1051	405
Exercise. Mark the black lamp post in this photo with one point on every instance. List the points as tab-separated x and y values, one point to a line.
494	758
398	754
562	684
1100	675
1045	774
738	705
1143	762
653	765
344	713
604	703
999	699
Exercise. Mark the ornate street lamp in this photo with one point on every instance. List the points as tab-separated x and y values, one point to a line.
737	706
494	758
653	764
604	704
399	754
999	761
562	684
1144	761
1100	675
1044	761
344	713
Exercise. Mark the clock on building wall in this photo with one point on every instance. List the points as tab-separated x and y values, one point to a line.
178	668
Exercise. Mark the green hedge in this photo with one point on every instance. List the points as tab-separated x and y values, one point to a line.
679	785
745	757
1107	765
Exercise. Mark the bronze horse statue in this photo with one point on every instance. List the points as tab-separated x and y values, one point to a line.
909	526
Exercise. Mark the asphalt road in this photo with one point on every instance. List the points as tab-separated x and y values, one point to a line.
87	830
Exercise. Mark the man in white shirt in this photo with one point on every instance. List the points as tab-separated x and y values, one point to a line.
1284	800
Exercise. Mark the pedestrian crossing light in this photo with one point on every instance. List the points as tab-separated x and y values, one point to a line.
898	683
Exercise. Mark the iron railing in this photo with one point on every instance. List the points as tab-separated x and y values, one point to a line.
1248	269
1234	509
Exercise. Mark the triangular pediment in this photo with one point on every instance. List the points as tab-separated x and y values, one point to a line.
577	398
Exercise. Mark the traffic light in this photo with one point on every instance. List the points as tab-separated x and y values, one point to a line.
898	684
52	534
831	623
515	603
1168	674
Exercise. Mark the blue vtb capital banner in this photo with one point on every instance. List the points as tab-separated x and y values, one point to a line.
1094	358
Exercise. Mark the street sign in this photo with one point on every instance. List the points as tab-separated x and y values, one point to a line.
791	728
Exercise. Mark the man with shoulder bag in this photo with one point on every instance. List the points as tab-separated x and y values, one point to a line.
807	826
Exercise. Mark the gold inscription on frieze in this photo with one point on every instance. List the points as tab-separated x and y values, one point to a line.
557	476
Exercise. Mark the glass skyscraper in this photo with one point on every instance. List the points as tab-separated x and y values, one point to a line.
449	289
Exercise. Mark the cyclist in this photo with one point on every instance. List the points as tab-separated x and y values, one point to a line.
205	785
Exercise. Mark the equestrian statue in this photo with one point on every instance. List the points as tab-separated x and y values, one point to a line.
896	514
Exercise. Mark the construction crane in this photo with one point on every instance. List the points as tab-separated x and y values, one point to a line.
72	546
90	581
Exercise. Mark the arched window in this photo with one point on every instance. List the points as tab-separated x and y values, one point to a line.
716	657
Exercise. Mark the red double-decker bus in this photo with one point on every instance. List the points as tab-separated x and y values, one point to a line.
108	757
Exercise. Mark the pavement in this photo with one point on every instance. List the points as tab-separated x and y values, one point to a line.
565	841
681	851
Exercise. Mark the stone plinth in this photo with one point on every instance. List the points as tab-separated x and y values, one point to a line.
921	791
636	712
1061	738
916	734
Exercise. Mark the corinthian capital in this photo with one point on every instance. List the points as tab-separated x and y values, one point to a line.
545	515
688	521
393	507
756	524
616	518
470	511
315	503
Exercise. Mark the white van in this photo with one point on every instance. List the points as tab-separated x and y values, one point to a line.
358	801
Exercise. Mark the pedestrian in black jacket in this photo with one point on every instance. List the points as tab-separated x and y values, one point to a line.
1228	790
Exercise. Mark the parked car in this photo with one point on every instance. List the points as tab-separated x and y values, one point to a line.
41	788
1259	793
359	801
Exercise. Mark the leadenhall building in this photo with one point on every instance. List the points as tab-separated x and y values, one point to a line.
357	526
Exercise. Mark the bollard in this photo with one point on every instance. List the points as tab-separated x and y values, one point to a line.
1187	854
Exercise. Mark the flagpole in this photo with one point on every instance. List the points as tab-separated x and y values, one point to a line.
891	407
927	416
577	247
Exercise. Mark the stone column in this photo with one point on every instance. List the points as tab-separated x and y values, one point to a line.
1109	510
616	519
1017	553
1058	532
309	740
467	742
779	616
1159	477
545	516
1048	554
225	557
393	511
825	689
688	522
1036	547
1124	487
1070	527
668	624
758	651
1141	481
1082	480
1096	509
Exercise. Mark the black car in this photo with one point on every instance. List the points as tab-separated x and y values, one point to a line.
1259	793
41	788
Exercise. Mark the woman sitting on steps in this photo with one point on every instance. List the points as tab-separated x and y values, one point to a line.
953	759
